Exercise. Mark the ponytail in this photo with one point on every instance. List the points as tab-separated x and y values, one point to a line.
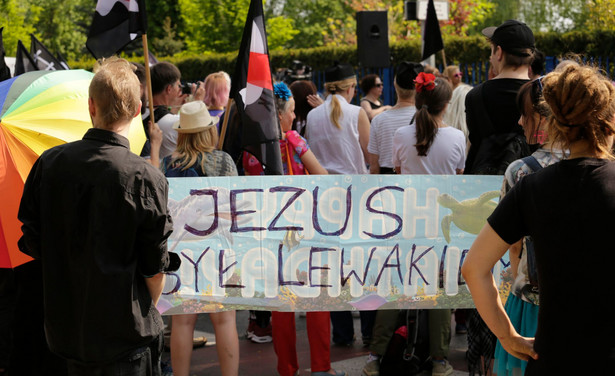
426	129
430	102
333	88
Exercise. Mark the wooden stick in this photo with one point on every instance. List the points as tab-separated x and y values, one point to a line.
444	58
148	78
227	112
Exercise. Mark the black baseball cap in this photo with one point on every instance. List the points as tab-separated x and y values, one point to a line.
406	73
339	72
514	37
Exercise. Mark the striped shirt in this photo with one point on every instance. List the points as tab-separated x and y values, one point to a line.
383	128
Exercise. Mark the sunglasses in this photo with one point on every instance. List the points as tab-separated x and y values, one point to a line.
458	74
379	85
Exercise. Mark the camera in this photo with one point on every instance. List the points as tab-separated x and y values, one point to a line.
187	87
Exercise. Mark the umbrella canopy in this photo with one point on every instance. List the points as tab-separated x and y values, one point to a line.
39	110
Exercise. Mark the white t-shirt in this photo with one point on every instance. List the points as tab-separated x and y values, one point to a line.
169	135
337	150
446	154
383	129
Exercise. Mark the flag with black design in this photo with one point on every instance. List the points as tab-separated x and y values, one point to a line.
115	24
23	61
252	90
62	61
152	59
5	71
43	59
432	38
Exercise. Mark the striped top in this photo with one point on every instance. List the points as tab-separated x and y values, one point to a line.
383	128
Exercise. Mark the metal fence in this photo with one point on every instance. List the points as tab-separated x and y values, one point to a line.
473	74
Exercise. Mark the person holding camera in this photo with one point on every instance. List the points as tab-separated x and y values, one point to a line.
168	94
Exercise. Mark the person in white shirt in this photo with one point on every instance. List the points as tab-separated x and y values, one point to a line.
429	146
337	131
384	125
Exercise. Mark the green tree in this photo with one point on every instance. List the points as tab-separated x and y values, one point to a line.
18	18
164	16
502	10
554	15
217	26
600	15
63	25
168	45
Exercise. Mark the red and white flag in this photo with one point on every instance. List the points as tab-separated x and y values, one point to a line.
115	24
252	90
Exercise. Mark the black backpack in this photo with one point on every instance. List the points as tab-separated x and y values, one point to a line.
408	354
496	150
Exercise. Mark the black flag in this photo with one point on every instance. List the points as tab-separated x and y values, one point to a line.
432	39
43	59
252	90
5	72
62	61
115	24
23	61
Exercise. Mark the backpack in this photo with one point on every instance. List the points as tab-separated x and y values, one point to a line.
408	350
178	172
532	270
496	150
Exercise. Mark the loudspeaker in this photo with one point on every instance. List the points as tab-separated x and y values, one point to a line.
410	11
373	39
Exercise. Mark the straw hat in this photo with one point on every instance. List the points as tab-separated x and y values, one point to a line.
194	118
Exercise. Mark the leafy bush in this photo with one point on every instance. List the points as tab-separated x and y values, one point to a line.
457	49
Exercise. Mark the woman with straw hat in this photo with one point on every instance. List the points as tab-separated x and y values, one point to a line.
196	155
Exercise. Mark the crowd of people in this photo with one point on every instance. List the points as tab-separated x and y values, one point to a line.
549	136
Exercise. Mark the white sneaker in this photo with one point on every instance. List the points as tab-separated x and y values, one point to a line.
442	368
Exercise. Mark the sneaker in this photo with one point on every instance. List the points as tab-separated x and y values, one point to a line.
250	330
371	368
441	368
261	335
461	329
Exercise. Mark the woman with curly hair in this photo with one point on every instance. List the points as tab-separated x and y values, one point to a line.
568	209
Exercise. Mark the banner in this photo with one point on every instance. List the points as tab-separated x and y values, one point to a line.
325	242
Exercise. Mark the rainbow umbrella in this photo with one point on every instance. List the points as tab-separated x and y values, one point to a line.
39	110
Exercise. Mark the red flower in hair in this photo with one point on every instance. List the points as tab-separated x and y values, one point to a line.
425	81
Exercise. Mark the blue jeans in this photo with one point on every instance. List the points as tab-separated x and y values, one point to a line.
144	361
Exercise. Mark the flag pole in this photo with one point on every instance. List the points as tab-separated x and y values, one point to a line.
444	58
225	124
148	78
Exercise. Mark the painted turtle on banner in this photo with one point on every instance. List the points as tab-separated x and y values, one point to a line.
469	215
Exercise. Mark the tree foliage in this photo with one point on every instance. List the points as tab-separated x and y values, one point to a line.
63	25
600	15
553	15
18	17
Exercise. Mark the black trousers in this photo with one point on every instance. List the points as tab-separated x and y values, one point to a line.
144	361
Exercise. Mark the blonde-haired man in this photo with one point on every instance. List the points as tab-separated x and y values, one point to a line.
96	217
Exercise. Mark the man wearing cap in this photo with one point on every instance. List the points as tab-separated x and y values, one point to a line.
96	216
384	125
491	112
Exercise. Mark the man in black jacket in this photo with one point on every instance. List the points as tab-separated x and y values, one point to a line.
491	112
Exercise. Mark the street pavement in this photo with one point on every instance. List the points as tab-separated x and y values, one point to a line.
260	359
